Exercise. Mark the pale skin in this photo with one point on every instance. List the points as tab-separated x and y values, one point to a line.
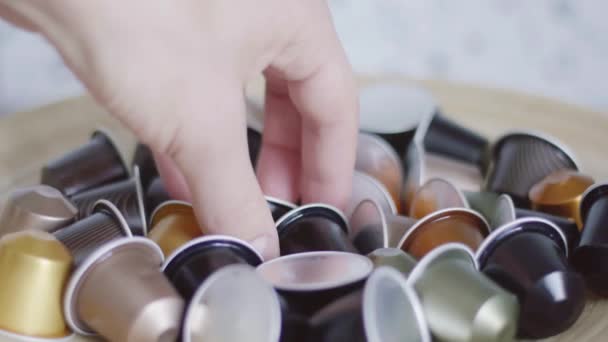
174	73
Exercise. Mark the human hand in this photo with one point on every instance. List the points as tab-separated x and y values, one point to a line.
174	73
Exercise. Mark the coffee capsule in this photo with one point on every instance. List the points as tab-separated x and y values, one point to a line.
189	265
367	187
93	164
387	309
156	194
560	194
39	207
393	111
34	267
591	255
378	159
446	138
83	237
254	143
308	281
528	257
313	227
434	195
144	160
368	227
449	225
233	304
394	258
567	226
279	207
126	195
173	225
460	303
496	209
522	159
120	293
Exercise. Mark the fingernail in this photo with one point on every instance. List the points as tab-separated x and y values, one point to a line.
264	245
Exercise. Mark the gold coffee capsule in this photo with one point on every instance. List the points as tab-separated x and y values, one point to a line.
34	268
120	293
436	194
560	194
173	225
497	209
460	303
450	225
39	207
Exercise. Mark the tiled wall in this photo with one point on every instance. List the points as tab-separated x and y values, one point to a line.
556	48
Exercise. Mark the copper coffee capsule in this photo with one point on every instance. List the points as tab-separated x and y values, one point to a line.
189	265
496	209
144	160
450	225
120	293
367	187
105	224
38	207
313	227
560	194
378	159
279	207
385	310
93	164
126	195
173	225
460	303
156	194
434	195
528	257
394	258
591	255
567	226
233	304
34	267
522	159
308	281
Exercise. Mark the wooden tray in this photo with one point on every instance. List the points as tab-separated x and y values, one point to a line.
29	139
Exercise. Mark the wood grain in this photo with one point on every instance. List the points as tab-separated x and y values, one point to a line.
29	139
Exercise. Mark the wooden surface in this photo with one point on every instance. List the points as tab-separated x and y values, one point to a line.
28	139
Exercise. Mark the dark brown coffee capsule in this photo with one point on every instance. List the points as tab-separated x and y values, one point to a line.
308	281
233	304
591	255
394	258
38	207
279	207
120	293
83	237
460	303
378	159
144	160
156	194
434	195
126	195
188	266
254	143
528	257
522	159
93	164
449	225
567	226
386	309
367	187
497	209
313	227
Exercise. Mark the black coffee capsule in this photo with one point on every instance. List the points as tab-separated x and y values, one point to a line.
279	207
156	194
126	195
451	140
188	266
144	159
313	227
591	255
254	142
568	227
528	257
386	309
93	164
82	238
308	281
521	159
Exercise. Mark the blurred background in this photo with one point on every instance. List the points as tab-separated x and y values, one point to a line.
554	48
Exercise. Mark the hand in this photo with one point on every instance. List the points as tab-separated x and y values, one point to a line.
174	73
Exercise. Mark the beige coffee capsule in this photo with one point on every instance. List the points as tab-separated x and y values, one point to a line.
39	207
120	293
367	187
434	195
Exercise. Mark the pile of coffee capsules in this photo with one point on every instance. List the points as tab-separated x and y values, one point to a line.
448	236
